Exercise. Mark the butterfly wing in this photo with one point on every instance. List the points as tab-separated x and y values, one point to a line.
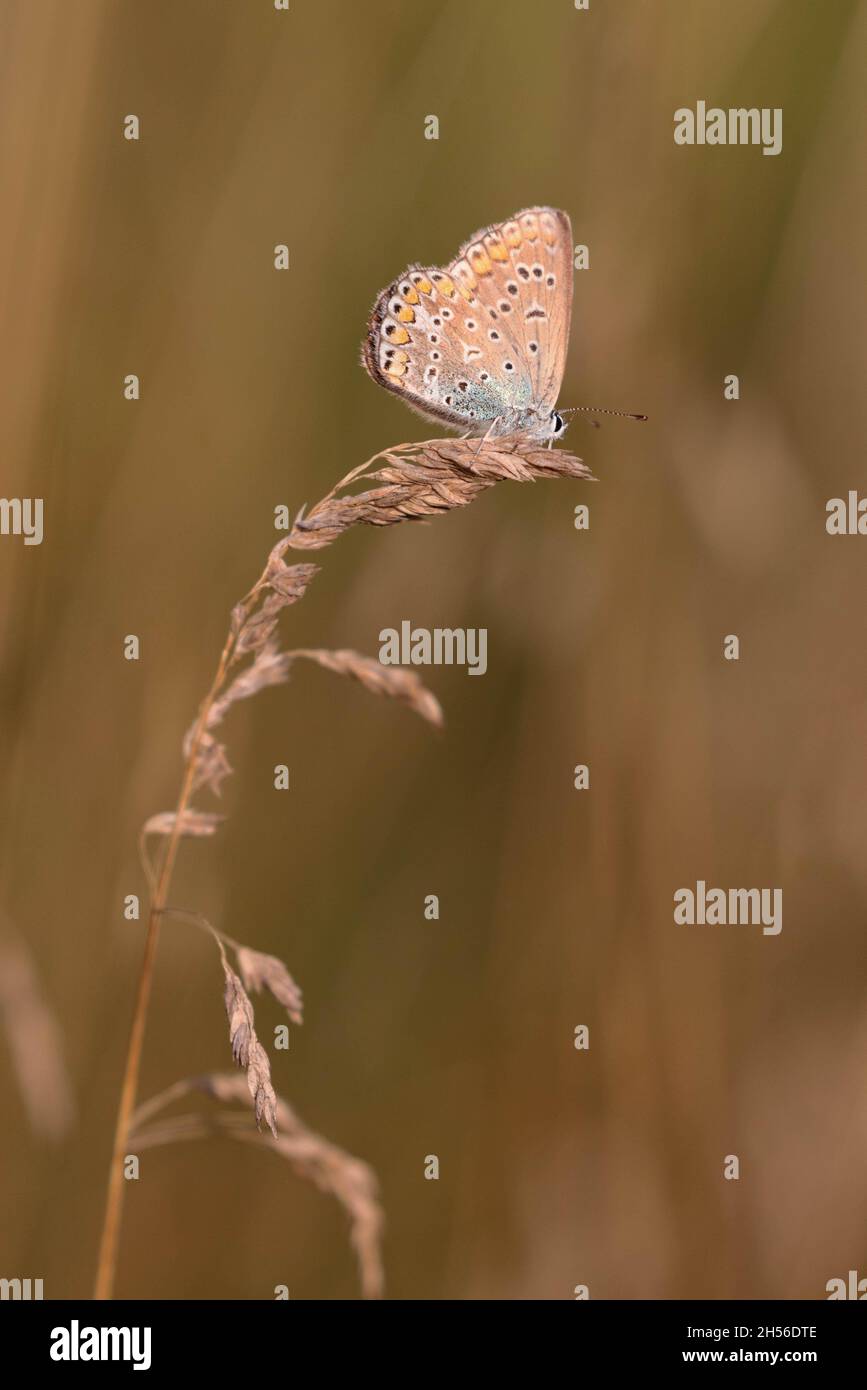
485	337
415	347
520	273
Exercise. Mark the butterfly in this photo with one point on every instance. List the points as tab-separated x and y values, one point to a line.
481	344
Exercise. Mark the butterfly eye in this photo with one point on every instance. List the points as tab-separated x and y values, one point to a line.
557	421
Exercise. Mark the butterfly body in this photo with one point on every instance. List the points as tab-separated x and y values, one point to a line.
480	345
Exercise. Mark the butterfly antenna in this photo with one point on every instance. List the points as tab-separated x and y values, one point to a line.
592	410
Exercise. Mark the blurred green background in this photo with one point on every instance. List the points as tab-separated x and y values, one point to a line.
605	647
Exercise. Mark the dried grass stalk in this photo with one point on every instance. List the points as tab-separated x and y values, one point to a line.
35	1042
189	822
422	480
211	765
392	681
269	667
415	481
252	627
351	1181
247	1050
260	971
171	825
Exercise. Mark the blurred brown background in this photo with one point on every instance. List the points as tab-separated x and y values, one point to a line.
605	647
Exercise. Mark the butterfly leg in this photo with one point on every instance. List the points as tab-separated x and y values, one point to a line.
486	436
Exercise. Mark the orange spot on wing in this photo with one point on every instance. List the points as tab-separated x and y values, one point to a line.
549	228
464	276
512	234
479	260
530	226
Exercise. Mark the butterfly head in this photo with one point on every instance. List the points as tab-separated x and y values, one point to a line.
537	425
532	424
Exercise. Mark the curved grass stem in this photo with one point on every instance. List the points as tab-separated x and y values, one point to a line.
108	1246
